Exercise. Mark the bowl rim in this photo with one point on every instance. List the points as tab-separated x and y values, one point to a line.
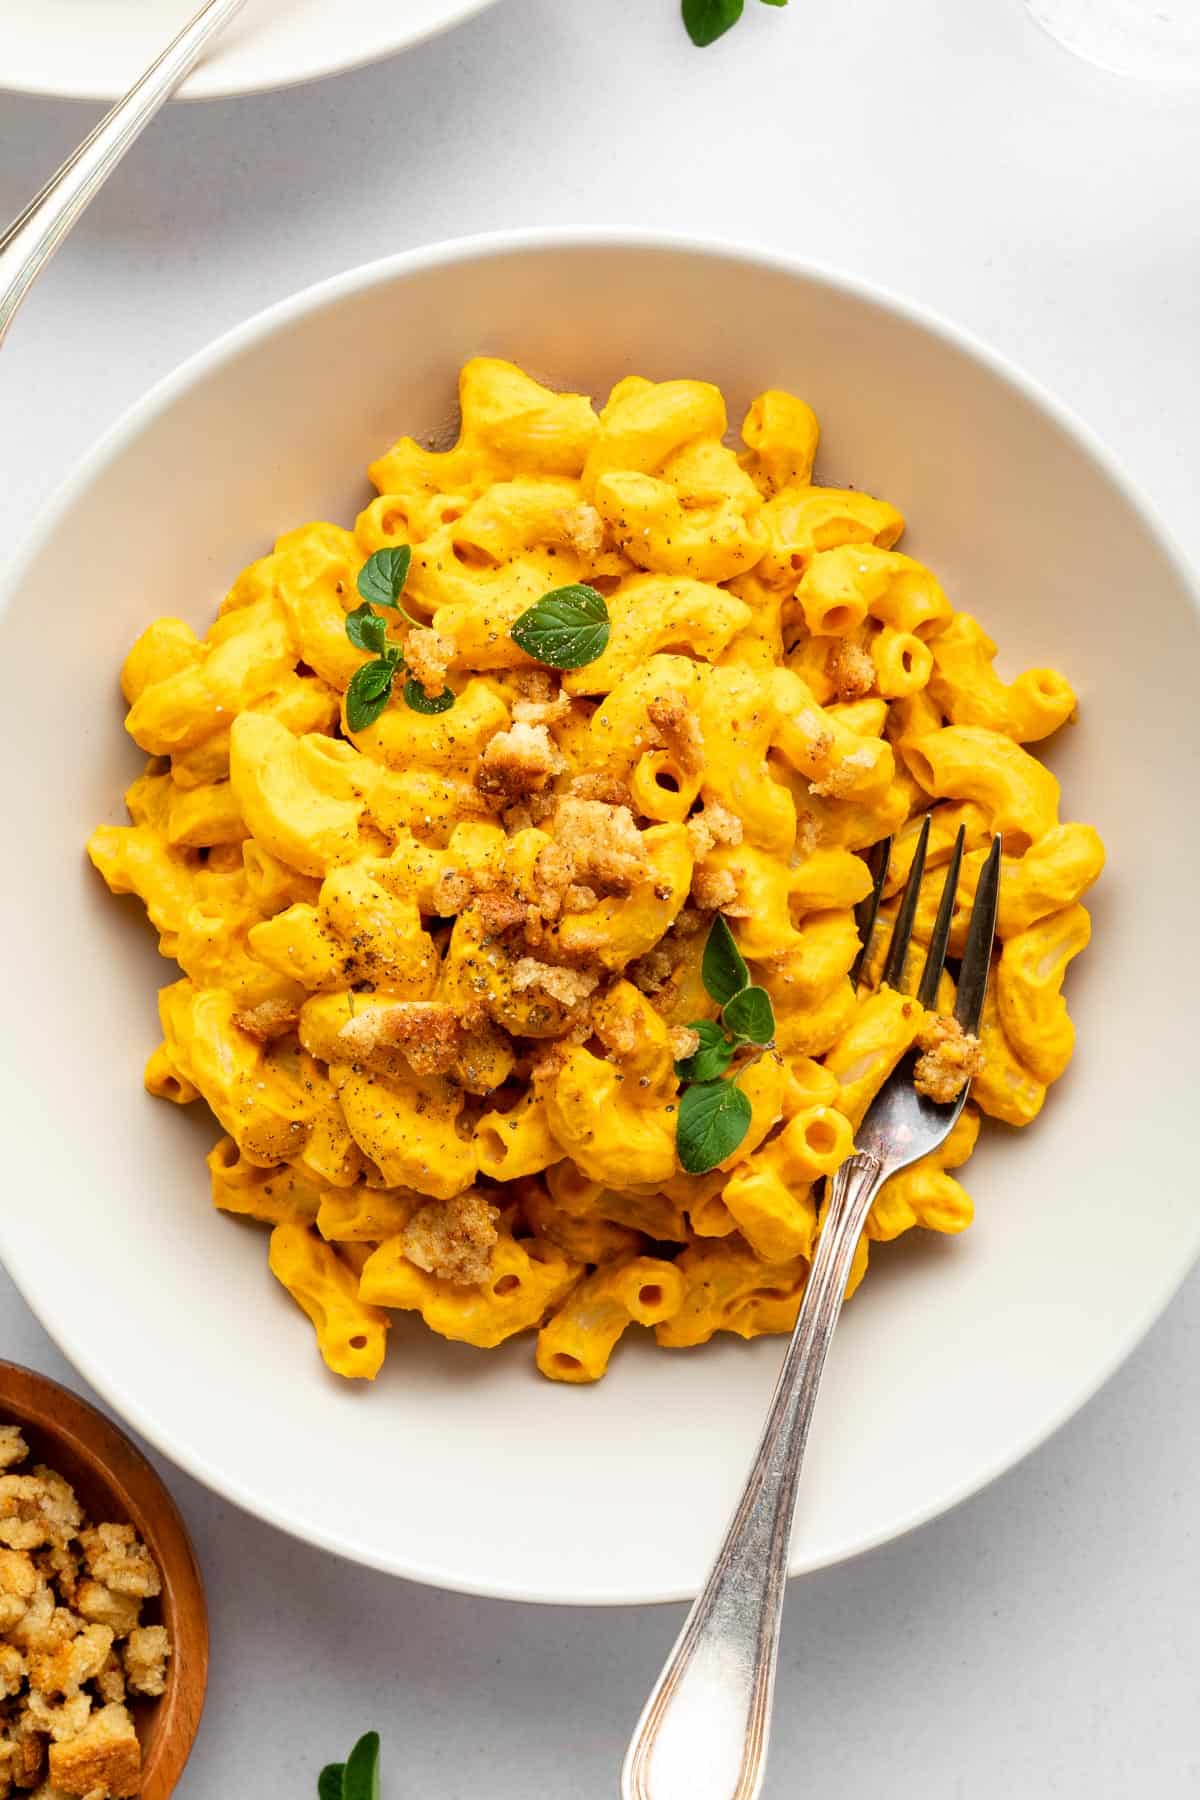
206	83
40	1404
482	248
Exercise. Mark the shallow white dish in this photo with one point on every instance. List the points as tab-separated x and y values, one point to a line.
94	49
464	1469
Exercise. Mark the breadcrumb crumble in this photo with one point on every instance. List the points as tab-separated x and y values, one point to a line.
951	1056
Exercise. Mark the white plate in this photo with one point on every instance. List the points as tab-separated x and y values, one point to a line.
94	49
465	1469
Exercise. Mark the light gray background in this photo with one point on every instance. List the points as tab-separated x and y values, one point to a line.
1042	1640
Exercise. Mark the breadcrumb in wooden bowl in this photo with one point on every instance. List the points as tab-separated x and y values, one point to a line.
114	1484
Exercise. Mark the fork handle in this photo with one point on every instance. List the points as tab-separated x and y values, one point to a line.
35	234
703	1734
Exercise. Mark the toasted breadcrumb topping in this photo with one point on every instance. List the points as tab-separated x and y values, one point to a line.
605	844
518	761
268	1020
428	1034
714	889
454	1239
713	825
951	1056
851	670
678	730
429	655
569	986
684	1042
597	784
71	1596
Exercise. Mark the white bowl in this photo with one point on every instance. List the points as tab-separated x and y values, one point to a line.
463	1469
94	49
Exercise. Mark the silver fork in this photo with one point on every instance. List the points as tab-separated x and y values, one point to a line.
703	1733
35	234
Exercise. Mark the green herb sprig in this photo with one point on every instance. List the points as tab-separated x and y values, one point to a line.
707	20
355	1779
714	1114
380	583
566	628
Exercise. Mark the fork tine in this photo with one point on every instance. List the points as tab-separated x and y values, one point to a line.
867	911
893	969
977	957
935	960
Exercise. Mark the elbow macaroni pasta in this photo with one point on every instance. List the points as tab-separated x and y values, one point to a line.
437	1017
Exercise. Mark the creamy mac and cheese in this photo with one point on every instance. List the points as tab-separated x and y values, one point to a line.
441	939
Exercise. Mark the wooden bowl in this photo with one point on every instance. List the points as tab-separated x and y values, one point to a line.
114	1482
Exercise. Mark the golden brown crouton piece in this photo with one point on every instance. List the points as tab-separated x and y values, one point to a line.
110	1682
36	1509
429	655
12	1670
105	1755
269	1020
951	1056
427	1034
64	1669
115	1555
19	1581
604	843
518	761
851	670
145	1659
678	730
99	1605
453	1239
13	1448
59	1719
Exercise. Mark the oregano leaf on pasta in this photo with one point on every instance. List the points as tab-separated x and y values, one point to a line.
365	629
382	577
369	692
421	702
713	1118
750	1016
722	969
566	628
711	1057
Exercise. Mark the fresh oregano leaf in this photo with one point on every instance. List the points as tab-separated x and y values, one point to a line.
368	693
711	1057
420	702
566	628
750	1015
382	577
722	970
366	630
361	1781
775	2
331	1782
713	1118
707	20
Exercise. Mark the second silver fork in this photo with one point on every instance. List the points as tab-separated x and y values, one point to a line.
703	1734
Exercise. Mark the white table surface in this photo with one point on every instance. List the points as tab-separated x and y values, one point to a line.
1043	1639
